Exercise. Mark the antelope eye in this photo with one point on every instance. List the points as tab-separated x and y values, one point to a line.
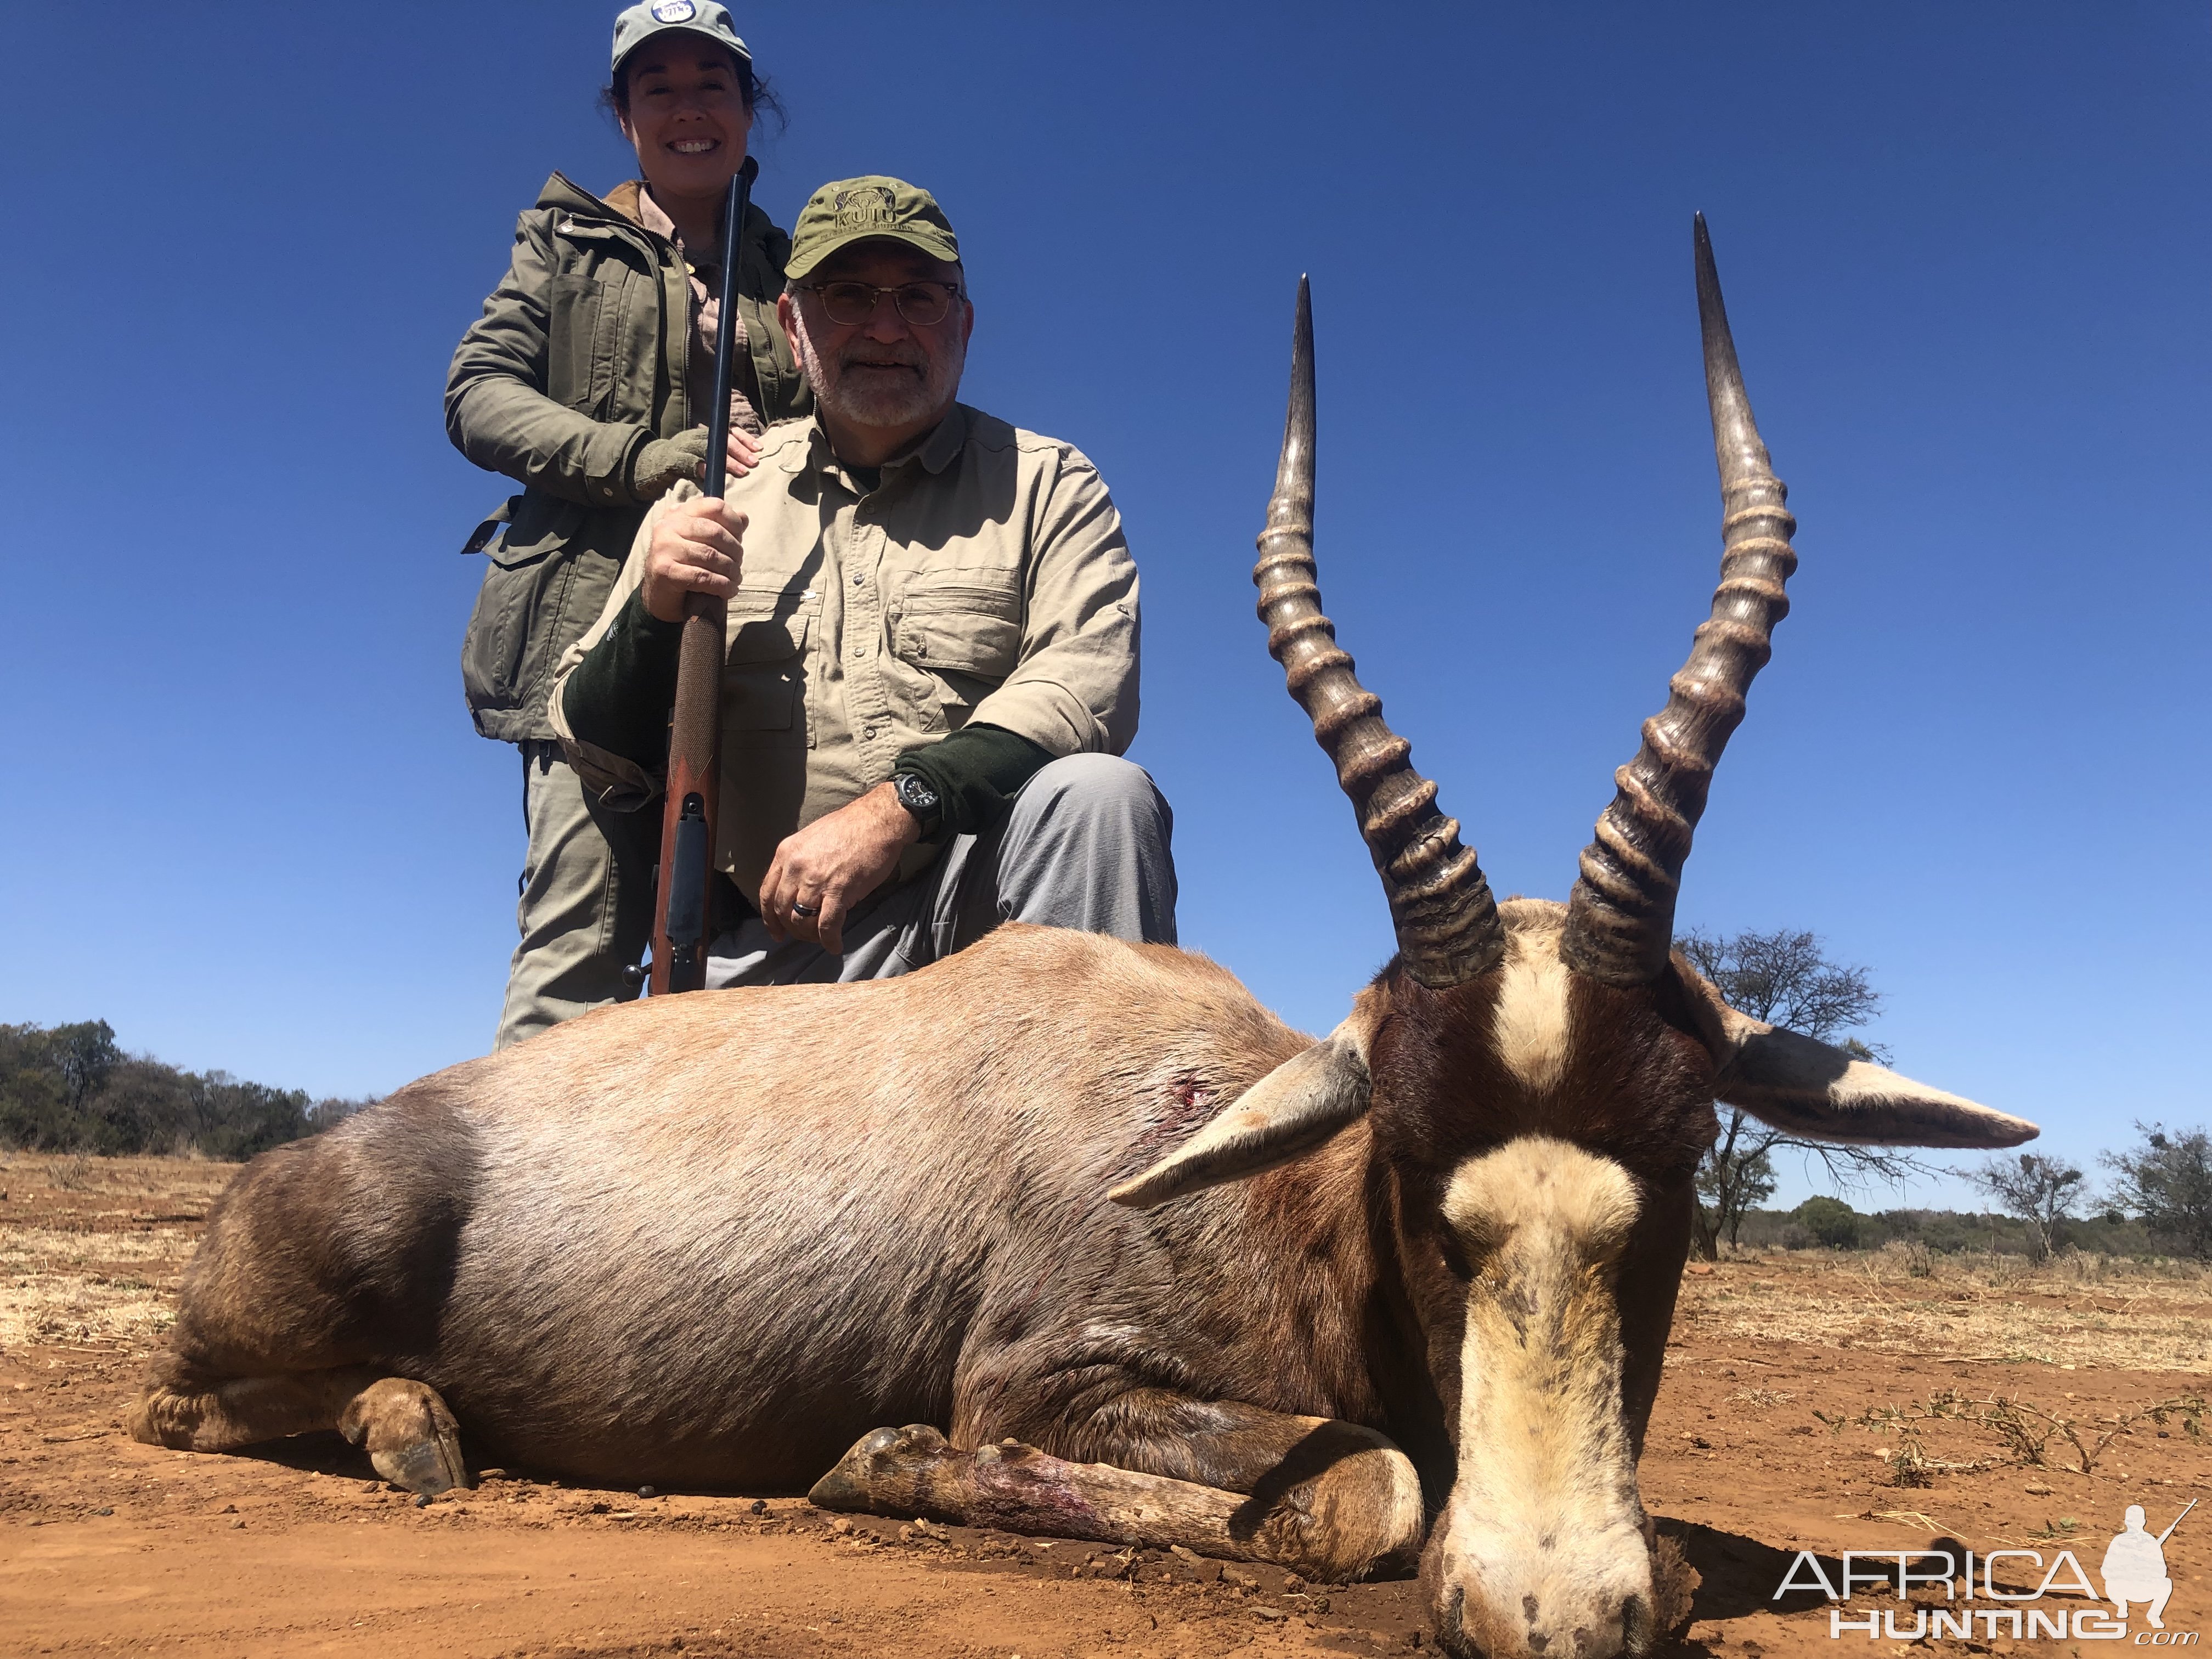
1455	1257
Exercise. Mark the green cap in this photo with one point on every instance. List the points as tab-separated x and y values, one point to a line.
856	209
639	24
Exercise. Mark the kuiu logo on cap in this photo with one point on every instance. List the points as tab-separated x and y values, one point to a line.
865	204
674	12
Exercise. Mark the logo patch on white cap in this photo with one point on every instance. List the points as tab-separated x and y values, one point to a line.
674	12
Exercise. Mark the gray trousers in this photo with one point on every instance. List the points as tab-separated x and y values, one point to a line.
582	923
1086	845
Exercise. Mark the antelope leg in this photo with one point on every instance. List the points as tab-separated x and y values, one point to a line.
410	1438
193	1412
1016	1488
1337	1500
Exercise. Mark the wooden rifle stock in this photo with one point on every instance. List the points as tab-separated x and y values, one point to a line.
683	918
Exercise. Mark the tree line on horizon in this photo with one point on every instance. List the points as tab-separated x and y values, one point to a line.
2162	1186
1827	1221
72	1089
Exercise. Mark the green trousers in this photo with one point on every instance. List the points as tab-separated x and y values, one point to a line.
586	914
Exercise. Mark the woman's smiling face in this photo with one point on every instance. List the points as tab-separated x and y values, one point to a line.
687	115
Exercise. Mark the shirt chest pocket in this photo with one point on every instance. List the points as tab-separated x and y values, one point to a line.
764	667
968	624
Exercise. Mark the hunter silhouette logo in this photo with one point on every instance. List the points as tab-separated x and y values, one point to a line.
2133	1569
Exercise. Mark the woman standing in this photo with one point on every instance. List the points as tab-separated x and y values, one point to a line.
587	380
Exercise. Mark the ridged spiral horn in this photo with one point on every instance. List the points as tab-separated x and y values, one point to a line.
1621	919
1446	920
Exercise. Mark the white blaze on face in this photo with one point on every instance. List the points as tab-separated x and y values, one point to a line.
1529	1026
1543	1538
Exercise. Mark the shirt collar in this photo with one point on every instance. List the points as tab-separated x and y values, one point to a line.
936	450
648	212
629	198
642	208
943	446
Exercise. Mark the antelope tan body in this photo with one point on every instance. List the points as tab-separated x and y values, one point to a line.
717	1238
1070	1236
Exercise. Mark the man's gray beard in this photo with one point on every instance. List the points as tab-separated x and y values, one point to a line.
887	406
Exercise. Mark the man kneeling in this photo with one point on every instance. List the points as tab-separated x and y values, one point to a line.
931	664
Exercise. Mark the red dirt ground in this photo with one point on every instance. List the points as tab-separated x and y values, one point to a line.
111	1548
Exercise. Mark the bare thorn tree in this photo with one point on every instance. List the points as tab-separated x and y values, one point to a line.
2166	1184
2031	1187
1729	1184
1785	979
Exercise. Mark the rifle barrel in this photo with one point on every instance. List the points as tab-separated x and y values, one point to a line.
680	919
2177	1520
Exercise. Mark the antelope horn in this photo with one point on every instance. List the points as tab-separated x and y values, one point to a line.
1447	923
1620	920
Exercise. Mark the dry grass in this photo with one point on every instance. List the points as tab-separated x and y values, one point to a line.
79	1287
2028	1435
98	1266
2076	1309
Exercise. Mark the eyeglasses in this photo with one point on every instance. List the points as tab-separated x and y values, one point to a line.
922	304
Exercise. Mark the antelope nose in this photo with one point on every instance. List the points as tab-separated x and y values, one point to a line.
1589	1632
1567	1630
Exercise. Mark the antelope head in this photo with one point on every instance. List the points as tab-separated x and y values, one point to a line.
1537	1080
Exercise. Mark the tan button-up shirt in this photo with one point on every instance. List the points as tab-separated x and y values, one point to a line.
985	578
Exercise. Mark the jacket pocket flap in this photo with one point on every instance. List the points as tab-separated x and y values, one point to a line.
482	536
535	525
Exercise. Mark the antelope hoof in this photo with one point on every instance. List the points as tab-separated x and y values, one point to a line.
884	1462
1362	1517
144	1423
411	1438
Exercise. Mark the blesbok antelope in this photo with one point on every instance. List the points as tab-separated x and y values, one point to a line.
1134	1261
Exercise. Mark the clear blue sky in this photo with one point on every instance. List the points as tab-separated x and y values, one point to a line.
1966	250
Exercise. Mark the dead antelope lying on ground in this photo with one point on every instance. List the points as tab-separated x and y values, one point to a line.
1161	1270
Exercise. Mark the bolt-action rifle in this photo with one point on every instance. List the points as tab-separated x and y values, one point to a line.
695	724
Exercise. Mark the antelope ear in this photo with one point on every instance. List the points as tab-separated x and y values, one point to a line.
1293	1110
1814	1089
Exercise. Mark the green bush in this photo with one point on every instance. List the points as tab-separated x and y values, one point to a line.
1831	1221
70	1088
1950	1232
2165	1184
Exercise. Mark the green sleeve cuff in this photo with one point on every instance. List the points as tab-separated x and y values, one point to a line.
617	698
976	771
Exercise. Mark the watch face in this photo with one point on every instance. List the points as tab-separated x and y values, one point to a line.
916	795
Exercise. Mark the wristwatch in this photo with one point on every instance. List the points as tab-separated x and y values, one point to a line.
915	794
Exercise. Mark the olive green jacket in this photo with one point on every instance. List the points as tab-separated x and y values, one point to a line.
579	362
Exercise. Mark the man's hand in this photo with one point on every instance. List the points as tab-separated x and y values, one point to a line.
742	454
662	462
698	546
825	869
